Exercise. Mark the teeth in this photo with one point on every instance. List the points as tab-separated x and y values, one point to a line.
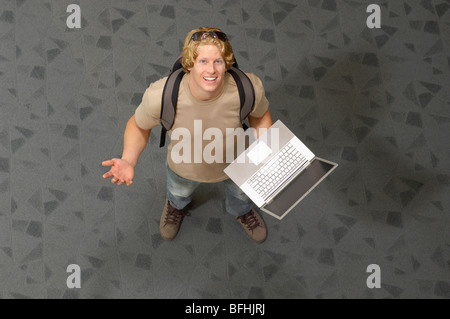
210	79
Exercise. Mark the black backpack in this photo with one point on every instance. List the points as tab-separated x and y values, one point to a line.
172	86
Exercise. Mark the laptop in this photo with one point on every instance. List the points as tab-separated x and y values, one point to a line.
277	170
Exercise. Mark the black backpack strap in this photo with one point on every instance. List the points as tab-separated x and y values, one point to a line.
246	93
169	102
177	65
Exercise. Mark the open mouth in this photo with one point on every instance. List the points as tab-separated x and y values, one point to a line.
209	79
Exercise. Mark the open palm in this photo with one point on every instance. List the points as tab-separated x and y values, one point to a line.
121	171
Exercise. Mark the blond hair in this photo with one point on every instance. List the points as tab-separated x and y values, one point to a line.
190	48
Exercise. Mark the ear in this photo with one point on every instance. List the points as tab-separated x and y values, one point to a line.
189	69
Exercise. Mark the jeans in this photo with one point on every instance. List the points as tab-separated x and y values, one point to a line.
180	190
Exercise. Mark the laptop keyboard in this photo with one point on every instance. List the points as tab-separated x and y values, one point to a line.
275	172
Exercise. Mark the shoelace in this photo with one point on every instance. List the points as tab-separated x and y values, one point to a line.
249	220
174	216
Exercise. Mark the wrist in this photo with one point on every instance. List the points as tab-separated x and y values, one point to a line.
132	162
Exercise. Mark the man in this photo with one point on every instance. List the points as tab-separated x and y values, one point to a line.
207	95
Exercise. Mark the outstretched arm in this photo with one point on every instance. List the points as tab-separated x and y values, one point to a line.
135	140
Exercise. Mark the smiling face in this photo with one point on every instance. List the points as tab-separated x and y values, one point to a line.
207	75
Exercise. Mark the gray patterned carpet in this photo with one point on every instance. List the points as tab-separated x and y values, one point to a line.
376	101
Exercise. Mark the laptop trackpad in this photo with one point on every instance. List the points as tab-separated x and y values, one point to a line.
259	153
299	187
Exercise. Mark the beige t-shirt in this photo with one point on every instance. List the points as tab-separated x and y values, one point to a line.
202	157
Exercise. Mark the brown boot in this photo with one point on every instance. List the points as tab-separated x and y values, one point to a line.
171	220
254	226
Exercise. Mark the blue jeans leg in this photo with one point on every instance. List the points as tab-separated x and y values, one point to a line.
179	189
237	203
